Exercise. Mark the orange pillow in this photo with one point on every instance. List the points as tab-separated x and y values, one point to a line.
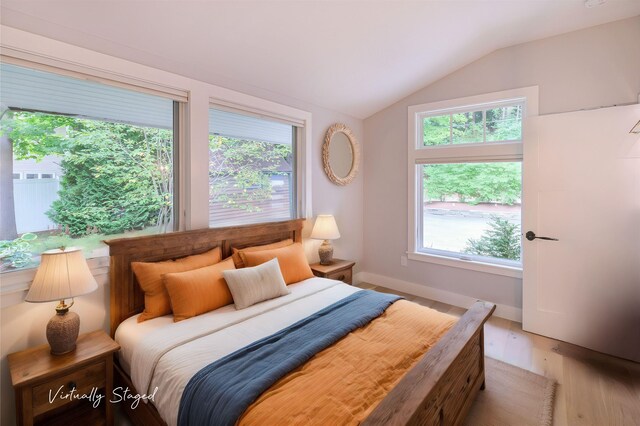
293	262
149	274
237	258
198	291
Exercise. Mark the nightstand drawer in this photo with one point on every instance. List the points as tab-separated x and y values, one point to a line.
56	392
43	382
344	275
341	270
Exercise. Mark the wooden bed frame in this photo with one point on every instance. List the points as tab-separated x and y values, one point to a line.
439	390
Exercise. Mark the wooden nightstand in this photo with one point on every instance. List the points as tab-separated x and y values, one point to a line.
341	270
43	382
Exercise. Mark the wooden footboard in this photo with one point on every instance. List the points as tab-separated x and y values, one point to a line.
440	389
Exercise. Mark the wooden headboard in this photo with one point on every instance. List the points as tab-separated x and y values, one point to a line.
127	298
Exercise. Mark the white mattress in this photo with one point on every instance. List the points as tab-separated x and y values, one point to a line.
163	354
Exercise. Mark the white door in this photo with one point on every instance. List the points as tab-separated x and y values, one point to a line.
581	185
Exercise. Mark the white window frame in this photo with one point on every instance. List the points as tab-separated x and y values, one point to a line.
460	153
297	126
301	120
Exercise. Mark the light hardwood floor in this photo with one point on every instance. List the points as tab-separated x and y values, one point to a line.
593	388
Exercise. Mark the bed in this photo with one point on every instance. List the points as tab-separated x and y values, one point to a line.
438	389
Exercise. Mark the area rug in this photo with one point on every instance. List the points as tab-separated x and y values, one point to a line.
512	396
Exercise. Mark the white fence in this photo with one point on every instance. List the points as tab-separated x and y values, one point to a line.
32	198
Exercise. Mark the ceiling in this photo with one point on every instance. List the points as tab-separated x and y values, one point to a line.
355	57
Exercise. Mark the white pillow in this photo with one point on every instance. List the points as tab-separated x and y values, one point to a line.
249	286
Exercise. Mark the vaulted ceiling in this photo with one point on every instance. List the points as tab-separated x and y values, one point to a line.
356	57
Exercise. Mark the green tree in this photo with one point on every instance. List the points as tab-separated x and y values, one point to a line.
35	135
116	177
496	124
436	130
503	240
240	170
473	182
504	123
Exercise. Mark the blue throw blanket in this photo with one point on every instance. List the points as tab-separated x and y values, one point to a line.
221	392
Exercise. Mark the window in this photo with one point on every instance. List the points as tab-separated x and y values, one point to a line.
491	124
100	164
472	210
465	178
33	175
252	169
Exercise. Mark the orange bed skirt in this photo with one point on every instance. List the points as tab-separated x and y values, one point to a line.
345	382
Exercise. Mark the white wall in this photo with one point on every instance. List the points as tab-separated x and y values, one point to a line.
594	67
23	324
346	203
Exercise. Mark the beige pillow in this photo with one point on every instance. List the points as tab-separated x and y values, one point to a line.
249	286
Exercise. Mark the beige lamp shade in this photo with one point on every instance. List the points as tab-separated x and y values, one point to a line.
62	274
325	228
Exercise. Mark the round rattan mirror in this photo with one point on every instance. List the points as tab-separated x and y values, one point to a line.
340	154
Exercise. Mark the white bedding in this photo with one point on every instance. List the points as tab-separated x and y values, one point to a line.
163	354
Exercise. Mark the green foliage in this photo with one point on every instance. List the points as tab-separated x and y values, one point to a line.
504	124
16	253
501	241
116	177
473	182
501	124
467	127
436	130
35	135
240	170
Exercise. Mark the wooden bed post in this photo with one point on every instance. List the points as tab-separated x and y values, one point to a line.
440	389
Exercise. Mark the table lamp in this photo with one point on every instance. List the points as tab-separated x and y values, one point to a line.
325	229
62	274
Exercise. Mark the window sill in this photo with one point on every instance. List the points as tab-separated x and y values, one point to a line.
489	268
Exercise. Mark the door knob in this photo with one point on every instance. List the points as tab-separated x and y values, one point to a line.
530	235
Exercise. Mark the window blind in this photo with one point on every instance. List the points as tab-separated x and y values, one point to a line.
29	89
241	126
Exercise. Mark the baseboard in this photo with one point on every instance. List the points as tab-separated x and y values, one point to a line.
503	311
